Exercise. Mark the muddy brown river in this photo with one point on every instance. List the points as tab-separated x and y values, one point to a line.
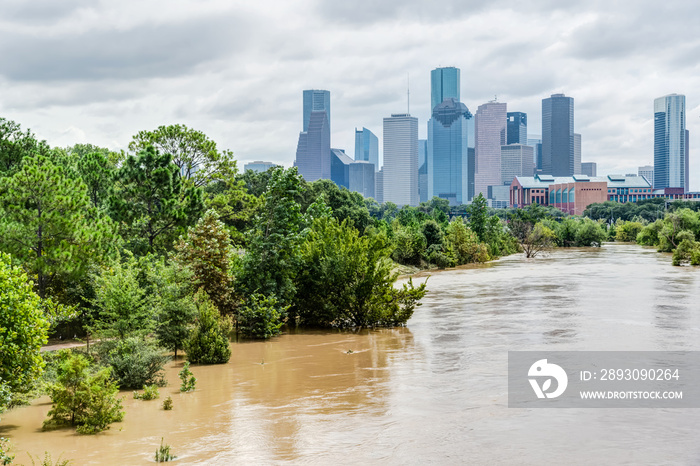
434	392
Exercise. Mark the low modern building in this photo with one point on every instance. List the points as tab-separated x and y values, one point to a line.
572	194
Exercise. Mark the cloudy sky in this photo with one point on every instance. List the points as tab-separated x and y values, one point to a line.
78	71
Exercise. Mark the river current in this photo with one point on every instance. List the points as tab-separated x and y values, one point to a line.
434	392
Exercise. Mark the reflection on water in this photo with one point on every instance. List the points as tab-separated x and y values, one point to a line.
435	392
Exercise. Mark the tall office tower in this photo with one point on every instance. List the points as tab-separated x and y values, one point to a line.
340	172
589	169
535	140
379	186
471	159
448	162
444	84
490	135
367	147
686	186
423	170
577	154
516	160
314	148
669	142
361	178
400	177
316	100
647	171
558	135
517	128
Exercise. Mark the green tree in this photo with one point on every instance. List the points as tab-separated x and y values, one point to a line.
261	317
150	199
464	244
346	280
208	342
16	144
271	261
84	398
627	231
478	216
97	173
206	250
123	309
195	155
23	331
538	240
590	233
48	224
175	308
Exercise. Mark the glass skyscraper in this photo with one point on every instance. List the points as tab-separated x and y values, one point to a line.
314	148
316	100
558	158
448	155
400	170
670	142
490	129
367	147
444	84
517	128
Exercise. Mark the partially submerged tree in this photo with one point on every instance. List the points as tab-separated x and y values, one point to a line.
539	239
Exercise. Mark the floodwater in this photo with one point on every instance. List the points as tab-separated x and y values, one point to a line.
434	392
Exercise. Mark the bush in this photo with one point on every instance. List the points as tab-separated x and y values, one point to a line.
5	456
168	404
464	244
150	392
84	398
261	317
187	378
163	453
590	233
208	343
688	251
135	362
627	231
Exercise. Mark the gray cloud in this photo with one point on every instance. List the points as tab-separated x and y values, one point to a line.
157	50
40	11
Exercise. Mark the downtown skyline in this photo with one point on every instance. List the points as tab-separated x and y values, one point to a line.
80	72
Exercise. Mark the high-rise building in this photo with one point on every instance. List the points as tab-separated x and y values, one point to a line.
686	186
516	128
647	171
558	135
316	100
367	147
314	148
516	160
589	169
447	159
577	154
471	159
340	172
361	178
258	166
400	177
535	140
490	135
423	170
444	84
670	142
379	186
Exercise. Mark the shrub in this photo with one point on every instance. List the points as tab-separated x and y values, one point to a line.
84	398
688	251
208	343
163	453
590	233
168	404
627	231
48	461
187	378
5	456
135	362
261	317
150	392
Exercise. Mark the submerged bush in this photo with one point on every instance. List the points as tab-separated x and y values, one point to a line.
261	317
187	379
135	362
208	343
150	392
